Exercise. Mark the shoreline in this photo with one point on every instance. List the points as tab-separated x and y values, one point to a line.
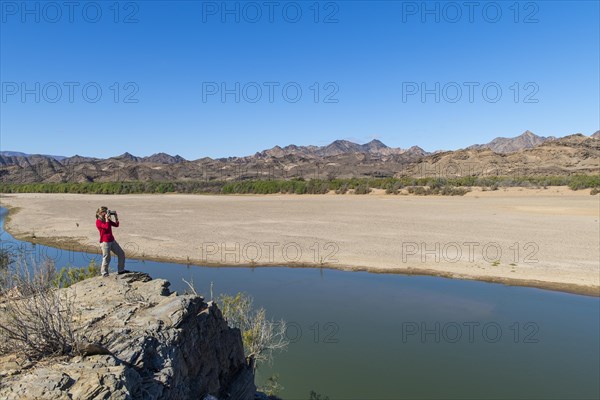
552	286
72	243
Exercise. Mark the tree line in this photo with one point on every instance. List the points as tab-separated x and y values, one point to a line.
429	185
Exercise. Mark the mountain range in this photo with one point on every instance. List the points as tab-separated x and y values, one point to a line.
338	147
526	153
503	145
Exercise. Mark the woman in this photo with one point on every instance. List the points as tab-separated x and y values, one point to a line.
108	242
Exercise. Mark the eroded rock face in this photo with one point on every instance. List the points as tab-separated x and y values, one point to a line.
160	345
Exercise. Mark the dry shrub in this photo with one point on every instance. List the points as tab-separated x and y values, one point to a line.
37	320
261	336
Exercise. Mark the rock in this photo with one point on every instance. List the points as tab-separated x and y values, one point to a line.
92	349
141	341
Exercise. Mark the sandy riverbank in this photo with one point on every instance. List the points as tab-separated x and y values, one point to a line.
541	238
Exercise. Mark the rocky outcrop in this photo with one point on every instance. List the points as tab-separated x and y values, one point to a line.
146	342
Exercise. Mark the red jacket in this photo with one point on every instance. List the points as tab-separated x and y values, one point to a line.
105	229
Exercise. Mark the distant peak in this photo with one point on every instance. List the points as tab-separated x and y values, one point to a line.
127	156
377	142
341	141
529	133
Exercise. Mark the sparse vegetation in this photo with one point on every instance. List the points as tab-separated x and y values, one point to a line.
271	386
584	181
363	188
430	185
417	190
443	191
5	259
342	189
70	276
36	319
261	336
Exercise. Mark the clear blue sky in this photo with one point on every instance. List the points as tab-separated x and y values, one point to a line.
374	58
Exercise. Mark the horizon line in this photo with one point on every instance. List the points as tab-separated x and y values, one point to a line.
291	144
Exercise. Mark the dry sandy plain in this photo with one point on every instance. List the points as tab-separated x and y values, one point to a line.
540	238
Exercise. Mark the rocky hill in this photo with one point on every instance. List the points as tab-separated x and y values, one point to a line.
527	153
154	344
575	154
526	140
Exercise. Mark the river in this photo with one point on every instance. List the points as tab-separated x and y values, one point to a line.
358	335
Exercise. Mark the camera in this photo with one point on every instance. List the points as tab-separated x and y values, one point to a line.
111	212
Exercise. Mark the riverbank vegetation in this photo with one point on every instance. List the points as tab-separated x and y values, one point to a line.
261	336
36	319
404	185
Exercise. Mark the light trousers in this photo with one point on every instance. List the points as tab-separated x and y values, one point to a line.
107	247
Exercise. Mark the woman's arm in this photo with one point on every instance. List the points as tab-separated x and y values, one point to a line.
115	223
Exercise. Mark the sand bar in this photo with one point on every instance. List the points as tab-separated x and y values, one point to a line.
540	238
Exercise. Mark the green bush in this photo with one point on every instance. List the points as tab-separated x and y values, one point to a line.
584	181
451	191
363	188
70	276
342	189
417	190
